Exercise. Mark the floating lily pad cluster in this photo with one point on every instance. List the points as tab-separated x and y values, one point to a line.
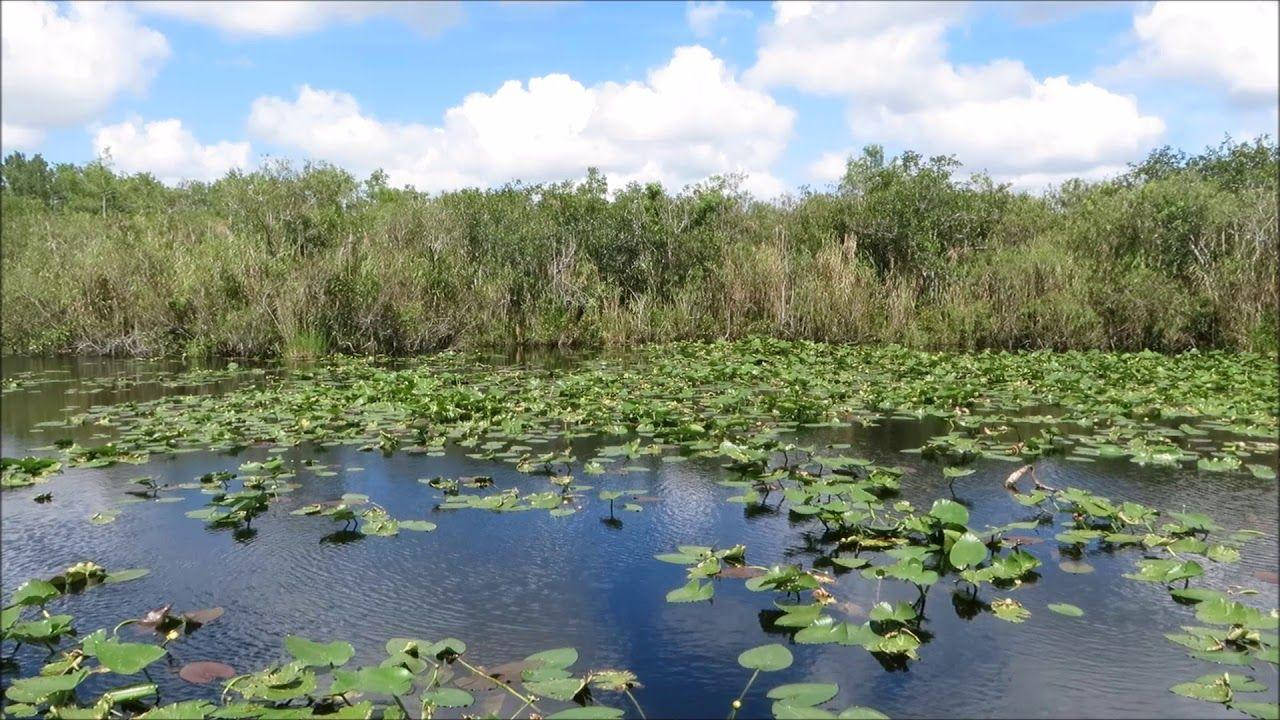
417	678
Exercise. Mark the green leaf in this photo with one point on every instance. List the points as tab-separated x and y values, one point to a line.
693	591
185	710
34	592
419	525
1066	609
560	688
804	694
393	680
1208	693
967	550
861	713
766	658
126	658
448	697
589	712
558	658
949	512
1260	710
120	576
35	689
309	652
899	612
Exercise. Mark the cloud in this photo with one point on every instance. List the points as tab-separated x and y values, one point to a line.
889	62
689	119
167	150
1229	45
703	16
19	137
64	66
285	17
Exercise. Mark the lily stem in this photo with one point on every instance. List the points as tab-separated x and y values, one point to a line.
500	684
633	702
750	680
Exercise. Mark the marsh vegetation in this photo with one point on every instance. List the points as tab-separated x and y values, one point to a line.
1179	252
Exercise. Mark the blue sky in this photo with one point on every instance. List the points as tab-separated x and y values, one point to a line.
445	95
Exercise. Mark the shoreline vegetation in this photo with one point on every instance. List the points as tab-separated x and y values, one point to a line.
1178	253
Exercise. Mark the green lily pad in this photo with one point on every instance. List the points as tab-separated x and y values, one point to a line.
309	652
126	658
1066	609
766	658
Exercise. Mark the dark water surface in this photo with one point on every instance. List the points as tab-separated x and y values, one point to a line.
510	584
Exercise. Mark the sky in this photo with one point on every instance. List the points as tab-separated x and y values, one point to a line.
442	96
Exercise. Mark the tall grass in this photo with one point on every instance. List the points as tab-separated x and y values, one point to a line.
1178	253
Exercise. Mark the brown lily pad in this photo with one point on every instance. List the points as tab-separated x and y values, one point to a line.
203	672
203	617
504	673
740	571
1267	576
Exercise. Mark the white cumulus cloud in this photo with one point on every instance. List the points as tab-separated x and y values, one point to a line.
167	150
703	17
888	60
62	66
1231	45
689	119
289	17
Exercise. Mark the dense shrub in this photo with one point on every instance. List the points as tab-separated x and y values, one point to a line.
1179	252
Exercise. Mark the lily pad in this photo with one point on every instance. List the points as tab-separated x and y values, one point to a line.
766	658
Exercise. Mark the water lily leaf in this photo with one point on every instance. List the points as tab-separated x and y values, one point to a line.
677	558
104	517
967	550
693	591
1075	567
448	697
950	512
1066	609
185	710
357	711
1010	610
309	652
1196	594
861	713
393	680
784	711
1223	554
126	658
899	612
34	592
558	658
419	525
589	712
120	576
560	689
613	680
1262	472
34	689
1260	710
203	672
1208	693
766	658
802	695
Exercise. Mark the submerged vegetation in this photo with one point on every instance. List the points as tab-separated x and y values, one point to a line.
1179	252
744	404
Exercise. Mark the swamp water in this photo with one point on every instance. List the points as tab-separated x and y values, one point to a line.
514	583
